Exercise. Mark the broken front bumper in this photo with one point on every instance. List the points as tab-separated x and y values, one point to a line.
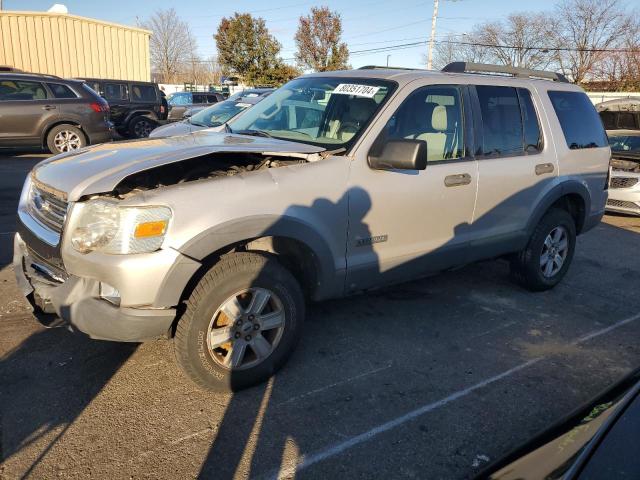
77	302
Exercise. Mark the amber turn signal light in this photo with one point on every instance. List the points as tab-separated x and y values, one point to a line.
150	229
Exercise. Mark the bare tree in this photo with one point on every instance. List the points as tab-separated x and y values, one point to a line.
458	48
587	26
172	45
318	41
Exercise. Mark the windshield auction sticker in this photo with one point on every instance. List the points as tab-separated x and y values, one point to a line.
358	90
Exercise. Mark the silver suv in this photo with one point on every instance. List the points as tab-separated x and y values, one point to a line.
337	183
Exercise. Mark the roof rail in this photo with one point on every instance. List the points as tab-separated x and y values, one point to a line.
469	67
9	68
382	67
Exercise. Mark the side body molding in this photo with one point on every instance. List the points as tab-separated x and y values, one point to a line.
330	271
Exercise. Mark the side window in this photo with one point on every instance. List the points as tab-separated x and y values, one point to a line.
11	90
115	91
608	119
432	114
532	132
212	99
626	120
501	120
199	98
61	91
579	120
143	93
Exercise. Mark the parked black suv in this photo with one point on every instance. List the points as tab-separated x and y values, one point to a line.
136	107
179	102
48	111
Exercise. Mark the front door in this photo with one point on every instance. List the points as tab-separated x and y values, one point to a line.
407	223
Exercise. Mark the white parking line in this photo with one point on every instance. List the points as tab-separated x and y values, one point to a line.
306	461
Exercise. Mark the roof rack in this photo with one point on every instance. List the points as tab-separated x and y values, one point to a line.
382	67
469	67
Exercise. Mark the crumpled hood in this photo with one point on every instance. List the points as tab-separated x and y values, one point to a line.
101	168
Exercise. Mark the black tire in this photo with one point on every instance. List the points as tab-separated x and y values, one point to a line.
63	138
526	268
235	273
141	127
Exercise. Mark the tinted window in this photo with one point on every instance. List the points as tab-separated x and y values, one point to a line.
199	98
629	143
501	120
61	91
579	120
432	114
608	119
626	120
212	99
115	91
143	93
11	90
532	136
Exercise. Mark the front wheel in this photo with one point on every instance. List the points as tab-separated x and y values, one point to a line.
241	323
545	260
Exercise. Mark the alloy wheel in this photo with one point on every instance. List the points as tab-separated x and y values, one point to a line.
246	328
66	140
554	251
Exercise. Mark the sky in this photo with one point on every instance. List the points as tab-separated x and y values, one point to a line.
366	24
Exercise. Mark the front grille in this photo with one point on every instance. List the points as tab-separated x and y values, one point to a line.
47	208
623	182
622	204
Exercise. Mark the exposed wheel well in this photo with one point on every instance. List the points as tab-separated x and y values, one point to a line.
293	254
62	122
574	204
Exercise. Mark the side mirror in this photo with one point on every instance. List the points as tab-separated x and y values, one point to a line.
401	155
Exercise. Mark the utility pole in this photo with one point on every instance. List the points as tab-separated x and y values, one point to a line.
433	34
387	55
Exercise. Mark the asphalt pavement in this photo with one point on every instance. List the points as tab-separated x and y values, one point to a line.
429	379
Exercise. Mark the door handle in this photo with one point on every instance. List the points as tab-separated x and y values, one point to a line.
543	168
457	180
49	107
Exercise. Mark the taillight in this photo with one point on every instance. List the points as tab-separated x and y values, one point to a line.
99	107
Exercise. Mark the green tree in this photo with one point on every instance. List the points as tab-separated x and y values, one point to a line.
318	41
248	50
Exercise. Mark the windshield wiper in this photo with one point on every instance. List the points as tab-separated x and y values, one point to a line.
227	128
255	133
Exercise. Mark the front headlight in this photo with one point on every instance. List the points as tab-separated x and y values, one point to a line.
104	226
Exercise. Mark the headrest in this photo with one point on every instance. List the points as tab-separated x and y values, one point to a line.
361	109
439	118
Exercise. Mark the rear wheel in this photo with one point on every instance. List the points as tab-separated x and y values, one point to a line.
545	260
241	323
141	127
65	138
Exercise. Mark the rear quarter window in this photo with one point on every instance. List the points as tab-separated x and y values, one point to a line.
578	119
143	93
61	91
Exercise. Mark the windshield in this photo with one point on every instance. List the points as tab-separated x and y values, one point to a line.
626	143
218	114
180	98
328	112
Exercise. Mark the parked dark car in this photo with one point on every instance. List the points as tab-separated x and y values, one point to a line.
51	112
136	107
179	102
598	441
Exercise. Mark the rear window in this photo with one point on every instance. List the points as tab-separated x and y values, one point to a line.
143	93
579	120
626	120
115	91
61	91
608	119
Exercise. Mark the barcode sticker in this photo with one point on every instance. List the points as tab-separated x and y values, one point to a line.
358	90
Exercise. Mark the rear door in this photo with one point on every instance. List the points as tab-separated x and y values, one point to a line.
117	95
25	106
516	165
